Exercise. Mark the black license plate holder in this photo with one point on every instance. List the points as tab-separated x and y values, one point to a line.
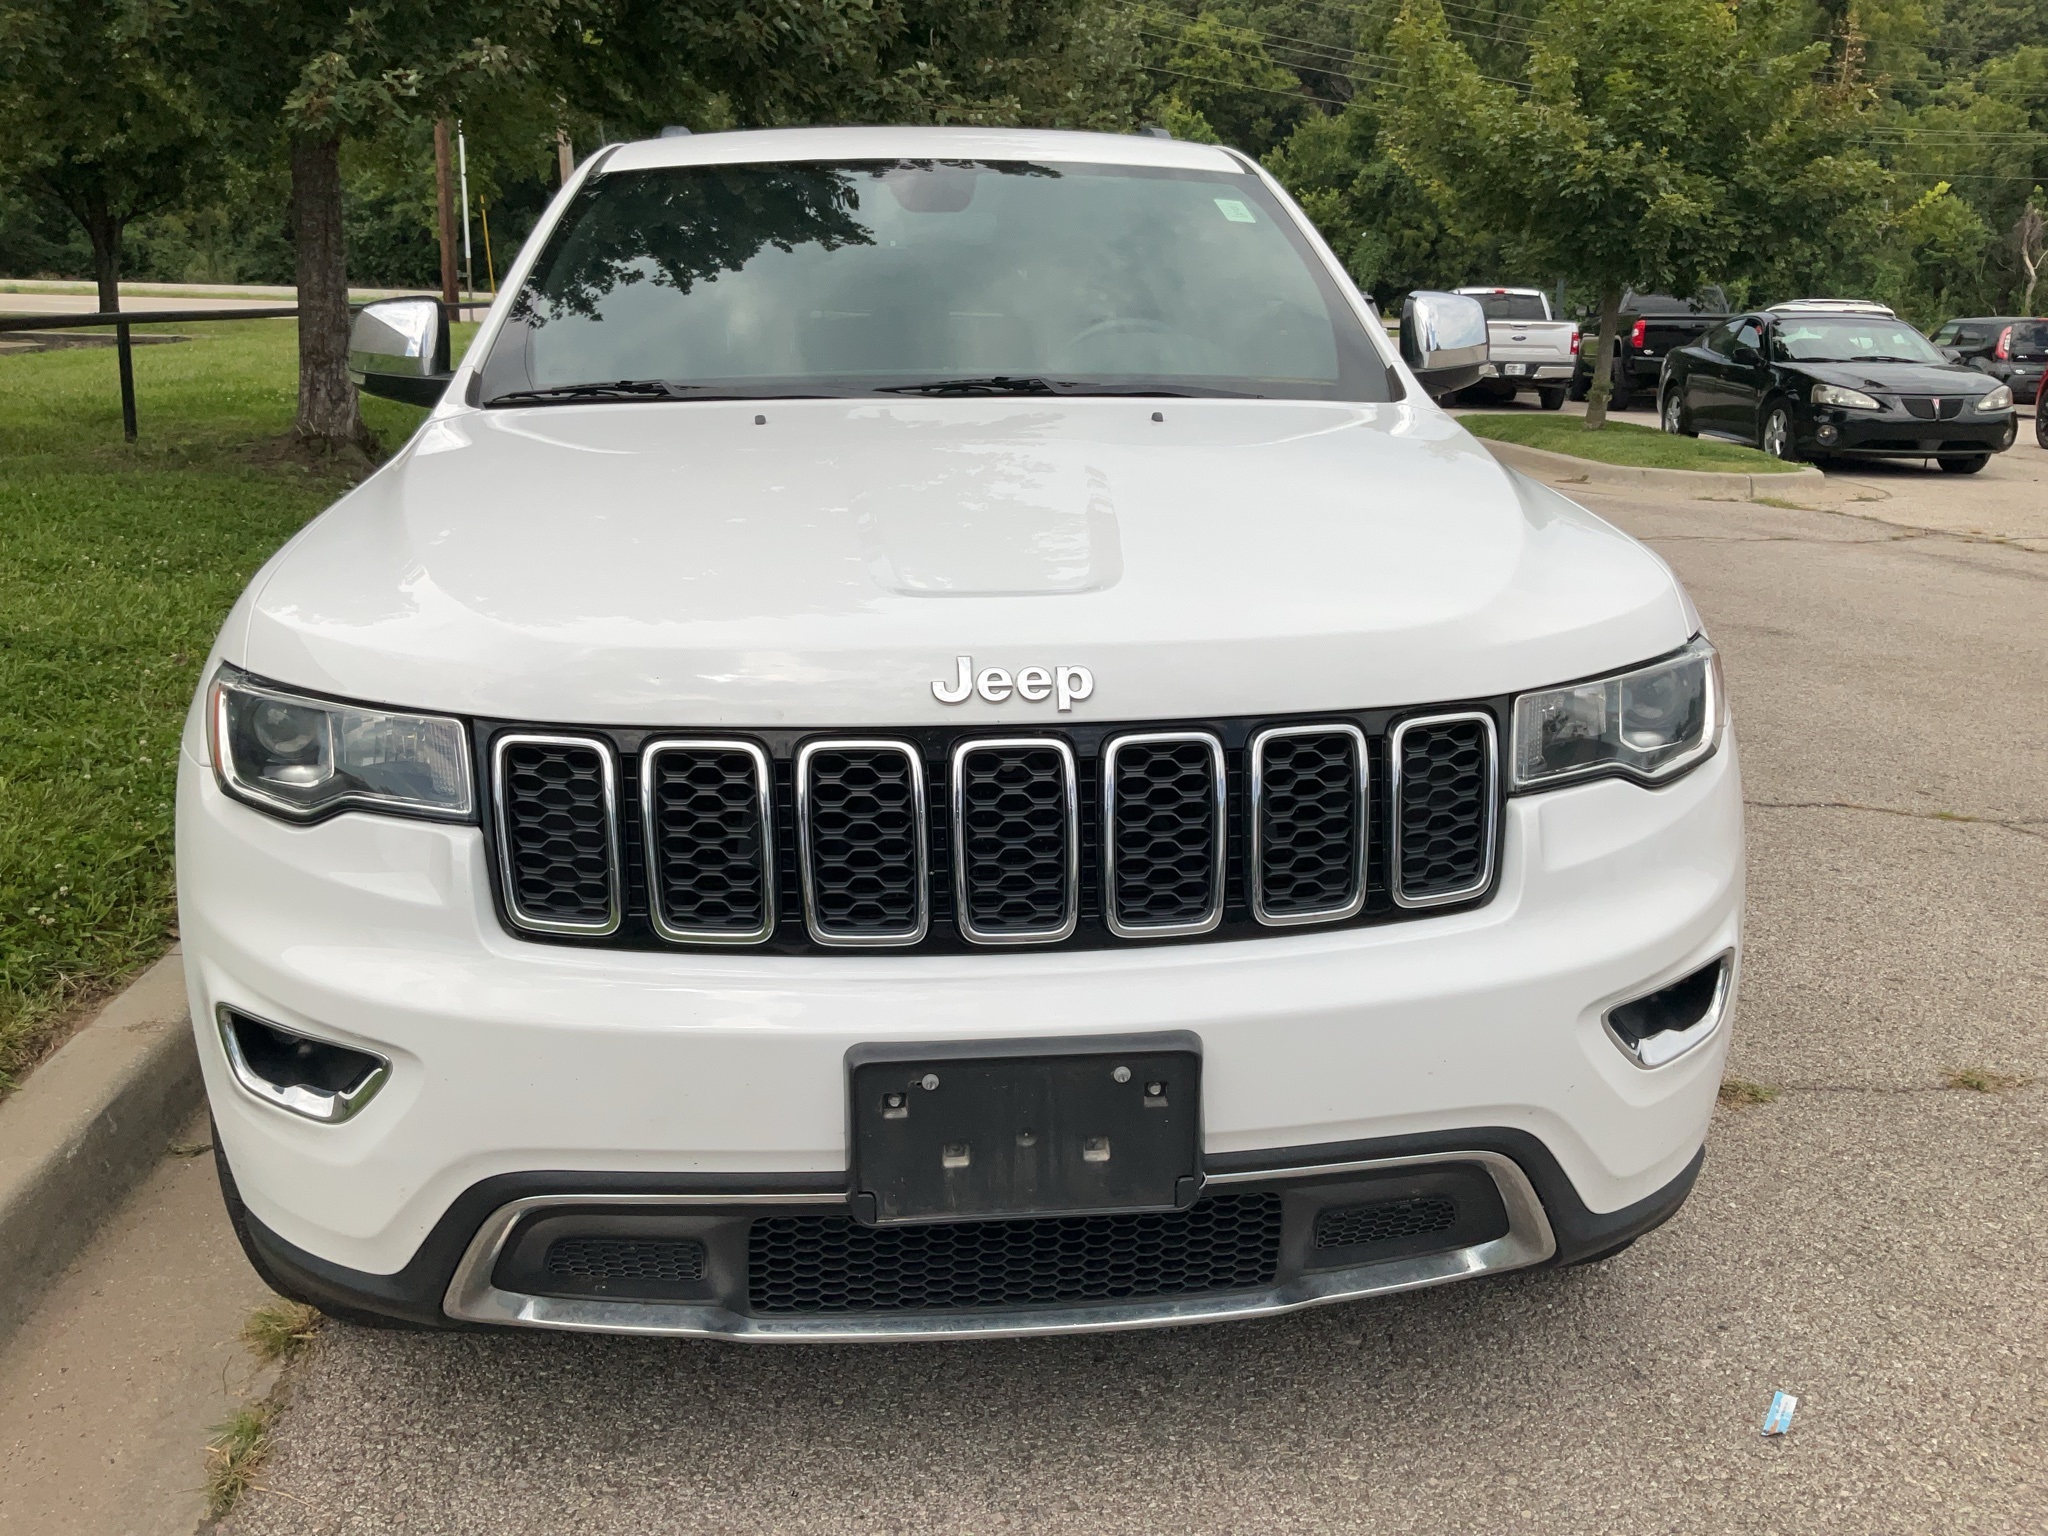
1058	1127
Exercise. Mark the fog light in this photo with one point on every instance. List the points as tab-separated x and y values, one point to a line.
1663	1025
315	1078
1826	432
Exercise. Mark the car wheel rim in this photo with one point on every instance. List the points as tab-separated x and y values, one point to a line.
1671	414
1775	434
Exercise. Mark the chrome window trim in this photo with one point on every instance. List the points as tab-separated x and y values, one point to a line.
472	1296
1395	738
803	841
1255	864
609	772
1219	871
764	791
961	752
1660	1050
329	1108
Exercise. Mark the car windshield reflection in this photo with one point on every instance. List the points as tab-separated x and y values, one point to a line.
1851	339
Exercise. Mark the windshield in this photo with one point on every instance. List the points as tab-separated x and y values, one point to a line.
1851	339
851	278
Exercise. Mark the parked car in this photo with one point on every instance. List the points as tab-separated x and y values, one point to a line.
1819	383
2013	349
1527	349
935	737
1652	325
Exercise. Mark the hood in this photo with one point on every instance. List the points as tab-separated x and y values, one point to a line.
1901	378
823	563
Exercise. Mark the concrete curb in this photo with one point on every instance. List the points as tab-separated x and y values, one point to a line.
87	1126
1567	469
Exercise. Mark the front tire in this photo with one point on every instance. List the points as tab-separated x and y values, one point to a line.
1551	398
2041	418
1966	466
1676	419
1777	438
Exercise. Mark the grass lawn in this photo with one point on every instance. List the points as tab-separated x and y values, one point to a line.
1619	442
117	564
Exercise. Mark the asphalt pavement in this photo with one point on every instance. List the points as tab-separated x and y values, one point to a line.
1871	1239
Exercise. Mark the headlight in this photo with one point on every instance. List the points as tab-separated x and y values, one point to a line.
1999	399
1650	724
1834	394
302	758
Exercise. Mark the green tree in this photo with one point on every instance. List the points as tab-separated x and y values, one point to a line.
93	120
1630	162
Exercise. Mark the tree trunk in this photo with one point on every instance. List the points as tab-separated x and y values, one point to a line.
105	233
444	187
1603	360
327	400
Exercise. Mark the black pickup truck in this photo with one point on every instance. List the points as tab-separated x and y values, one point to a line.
1652	324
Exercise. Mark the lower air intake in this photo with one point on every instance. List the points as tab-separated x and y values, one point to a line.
1384	1221
656	1260
832	1264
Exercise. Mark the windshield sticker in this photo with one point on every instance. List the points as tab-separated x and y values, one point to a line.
1235	211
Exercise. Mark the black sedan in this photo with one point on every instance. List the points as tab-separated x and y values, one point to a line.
1817	384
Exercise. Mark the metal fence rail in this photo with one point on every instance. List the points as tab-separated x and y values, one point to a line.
121	320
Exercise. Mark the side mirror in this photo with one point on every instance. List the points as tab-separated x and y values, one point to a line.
398	348
1748	355
1443	340
1953	354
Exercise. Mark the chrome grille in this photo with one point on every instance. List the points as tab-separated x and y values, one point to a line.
1016	840
861	837
1080	836
706	815
1163	815
557	805
1308	821
1443	788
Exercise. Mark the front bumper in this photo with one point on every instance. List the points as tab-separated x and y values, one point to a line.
1895	434
512	1060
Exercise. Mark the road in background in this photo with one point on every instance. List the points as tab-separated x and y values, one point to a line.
1870	1239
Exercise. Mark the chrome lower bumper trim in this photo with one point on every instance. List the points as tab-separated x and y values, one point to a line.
472	1297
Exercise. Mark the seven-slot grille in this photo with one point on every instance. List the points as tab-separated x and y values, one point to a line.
1094	836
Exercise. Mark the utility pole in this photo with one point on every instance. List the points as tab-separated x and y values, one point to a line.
462	163
444	187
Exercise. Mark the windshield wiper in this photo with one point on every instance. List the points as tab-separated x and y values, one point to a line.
567	394
1032	384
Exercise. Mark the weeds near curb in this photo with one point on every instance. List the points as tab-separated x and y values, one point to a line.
279	1330
233	1456
1983	1080
1736	1092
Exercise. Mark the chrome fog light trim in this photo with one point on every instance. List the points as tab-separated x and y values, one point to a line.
1666	1046
328	1106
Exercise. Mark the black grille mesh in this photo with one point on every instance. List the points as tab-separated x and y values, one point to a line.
676	1260
1016	835
1925	406
1385	1220
1309	813
1446	806
1166	833
863	842
558	845
831	1264
705	846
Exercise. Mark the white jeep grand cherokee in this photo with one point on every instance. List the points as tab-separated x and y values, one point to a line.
937	738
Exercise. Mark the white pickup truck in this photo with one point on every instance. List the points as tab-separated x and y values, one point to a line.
1527	349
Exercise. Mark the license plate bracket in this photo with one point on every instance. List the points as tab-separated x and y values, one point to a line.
1044	1127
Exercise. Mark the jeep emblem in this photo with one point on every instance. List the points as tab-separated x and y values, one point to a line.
1034	685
